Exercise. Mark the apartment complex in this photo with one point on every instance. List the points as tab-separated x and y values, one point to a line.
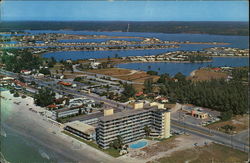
130	124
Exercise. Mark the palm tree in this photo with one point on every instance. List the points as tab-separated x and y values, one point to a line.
147	130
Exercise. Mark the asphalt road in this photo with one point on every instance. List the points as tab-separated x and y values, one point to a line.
219	137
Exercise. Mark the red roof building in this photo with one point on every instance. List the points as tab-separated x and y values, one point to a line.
139	94
52	106
216	69
64	83
17	82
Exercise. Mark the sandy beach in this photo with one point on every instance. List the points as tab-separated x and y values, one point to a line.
37	128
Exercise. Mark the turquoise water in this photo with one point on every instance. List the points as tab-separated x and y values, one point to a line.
138	144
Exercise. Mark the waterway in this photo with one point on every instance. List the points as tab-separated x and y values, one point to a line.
235	41
186	68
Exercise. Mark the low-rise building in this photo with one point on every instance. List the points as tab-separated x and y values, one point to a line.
81	129
199	115
62	113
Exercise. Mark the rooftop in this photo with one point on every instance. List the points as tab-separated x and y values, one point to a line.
127	113
82	127
67	109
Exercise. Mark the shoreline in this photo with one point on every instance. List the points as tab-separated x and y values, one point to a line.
36	128
163	62
128	62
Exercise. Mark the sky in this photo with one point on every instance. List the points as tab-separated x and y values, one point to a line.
112	10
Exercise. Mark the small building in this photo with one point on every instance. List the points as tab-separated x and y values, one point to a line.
94	65
199	115
69	61
216	69
64	83
26	72
52	107
39	75
61	113
81	129
139	94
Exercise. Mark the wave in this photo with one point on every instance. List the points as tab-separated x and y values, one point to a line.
2	159
44	154
3	133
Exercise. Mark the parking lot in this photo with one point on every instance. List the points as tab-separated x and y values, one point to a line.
184	115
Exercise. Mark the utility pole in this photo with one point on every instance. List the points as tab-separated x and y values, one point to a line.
231	142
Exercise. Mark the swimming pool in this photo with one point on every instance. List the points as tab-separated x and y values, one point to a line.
138	144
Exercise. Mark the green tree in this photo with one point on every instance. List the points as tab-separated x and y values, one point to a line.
147	130
16	94
129	91
45	71
148	85
117	143
152	72
163	78
78	79
44	97
226	115
180	76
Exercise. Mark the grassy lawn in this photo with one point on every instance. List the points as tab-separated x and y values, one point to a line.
111	151
211	153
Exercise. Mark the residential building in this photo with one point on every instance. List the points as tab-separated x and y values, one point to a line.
61	113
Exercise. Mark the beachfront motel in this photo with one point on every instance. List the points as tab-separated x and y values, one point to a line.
130	124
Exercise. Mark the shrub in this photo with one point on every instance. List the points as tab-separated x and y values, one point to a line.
226	115
152	72
16	94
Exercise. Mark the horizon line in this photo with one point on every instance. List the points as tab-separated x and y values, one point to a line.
123	21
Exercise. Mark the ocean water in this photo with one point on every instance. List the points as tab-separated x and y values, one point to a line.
186	68
17	147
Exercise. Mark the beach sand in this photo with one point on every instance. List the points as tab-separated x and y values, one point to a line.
36	128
